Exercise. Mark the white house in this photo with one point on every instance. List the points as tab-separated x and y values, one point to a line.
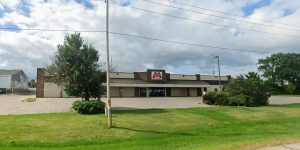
11	80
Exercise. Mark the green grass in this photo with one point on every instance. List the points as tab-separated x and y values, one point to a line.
187	129
29	99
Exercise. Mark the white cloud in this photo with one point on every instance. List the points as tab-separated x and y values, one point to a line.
31	49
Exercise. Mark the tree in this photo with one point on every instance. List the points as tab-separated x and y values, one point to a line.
280	69
291	88
250	85
76	66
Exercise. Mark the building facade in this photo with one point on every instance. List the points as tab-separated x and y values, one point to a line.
11	80
151	83
158	83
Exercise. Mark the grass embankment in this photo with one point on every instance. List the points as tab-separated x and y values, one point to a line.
29	99
197	128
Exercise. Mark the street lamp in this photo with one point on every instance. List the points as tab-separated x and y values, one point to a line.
217	57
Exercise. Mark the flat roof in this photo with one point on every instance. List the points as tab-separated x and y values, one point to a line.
9	72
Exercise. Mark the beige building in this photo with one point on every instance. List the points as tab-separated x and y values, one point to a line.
152	83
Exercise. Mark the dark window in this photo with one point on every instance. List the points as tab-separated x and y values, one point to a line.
143	92
168	91
199	91
205	89
156	92
216	90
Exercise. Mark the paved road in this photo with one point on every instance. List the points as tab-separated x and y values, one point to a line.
284	100
295	146
12	103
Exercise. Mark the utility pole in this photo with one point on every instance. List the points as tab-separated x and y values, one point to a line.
213	64
219	72
108	105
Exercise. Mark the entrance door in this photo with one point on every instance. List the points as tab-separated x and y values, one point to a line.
168	92
156	92
199	91
143	92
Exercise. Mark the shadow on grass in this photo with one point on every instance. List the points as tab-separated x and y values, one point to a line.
153	132
140	111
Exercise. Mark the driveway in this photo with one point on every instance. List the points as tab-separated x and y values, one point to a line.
295	146
12	103
279	100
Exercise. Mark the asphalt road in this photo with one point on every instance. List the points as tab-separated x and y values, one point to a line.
12	103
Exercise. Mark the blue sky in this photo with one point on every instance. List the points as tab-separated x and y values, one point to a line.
249	8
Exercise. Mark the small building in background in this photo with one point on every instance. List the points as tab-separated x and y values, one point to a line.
12	80
151	83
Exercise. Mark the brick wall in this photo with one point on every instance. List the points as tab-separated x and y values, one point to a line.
40	83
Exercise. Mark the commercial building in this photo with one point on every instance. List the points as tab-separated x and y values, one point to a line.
151	83
11	80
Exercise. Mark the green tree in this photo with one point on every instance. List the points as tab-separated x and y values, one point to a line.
281	68
291	88
250	85
76	66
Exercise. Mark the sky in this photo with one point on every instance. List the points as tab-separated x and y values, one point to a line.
263	26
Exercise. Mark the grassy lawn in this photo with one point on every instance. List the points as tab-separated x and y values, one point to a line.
196	128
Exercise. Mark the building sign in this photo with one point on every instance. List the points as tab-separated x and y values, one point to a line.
156	75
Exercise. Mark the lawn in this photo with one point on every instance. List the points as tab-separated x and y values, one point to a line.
195	128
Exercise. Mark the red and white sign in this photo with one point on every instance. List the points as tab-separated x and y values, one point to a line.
156	75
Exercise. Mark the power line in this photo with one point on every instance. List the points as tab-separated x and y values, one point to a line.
172	1
187	10
135	36
204	22
185	43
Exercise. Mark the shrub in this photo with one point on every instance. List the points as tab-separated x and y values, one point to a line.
238	100
216	98
29	99
251	86
89	107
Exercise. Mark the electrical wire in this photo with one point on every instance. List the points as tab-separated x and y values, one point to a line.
204	22
187	10
195	6
131	35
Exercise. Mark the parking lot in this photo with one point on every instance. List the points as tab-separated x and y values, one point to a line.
12	103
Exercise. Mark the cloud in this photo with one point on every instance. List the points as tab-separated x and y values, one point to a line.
31	49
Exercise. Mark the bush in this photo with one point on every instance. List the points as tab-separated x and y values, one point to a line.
224	99
238	100
89	107
216	98
251	86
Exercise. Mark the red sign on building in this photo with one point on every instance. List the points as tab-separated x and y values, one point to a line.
156	75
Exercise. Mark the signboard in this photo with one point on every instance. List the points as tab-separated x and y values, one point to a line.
156	75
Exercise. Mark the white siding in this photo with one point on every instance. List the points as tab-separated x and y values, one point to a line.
121	75
182	77
178	92
127	92
5	81
52	90
115	92
193	92
207	77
